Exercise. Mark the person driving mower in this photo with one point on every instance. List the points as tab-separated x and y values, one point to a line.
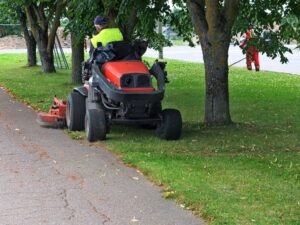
109	45
105	34
99	49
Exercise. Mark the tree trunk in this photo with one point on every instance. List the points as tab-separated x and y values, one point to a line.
216	79
128	27
47	57
161	50
31	51
77	58
39	19
213	21
29	40
47	62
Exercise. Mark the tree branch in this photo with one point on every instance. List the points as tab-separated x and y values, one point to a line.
230	13
51	11
60	6
212	15
32	21
38	11
128	27
197	12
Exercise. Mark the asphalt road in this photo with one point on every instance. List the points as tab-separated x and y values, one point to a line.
47	178
187	53
267	64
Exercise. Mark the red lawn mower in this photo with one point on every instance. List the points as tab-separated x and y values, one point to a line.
117	89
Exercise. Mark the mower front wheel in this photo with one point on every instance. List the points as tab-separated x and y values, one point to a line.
75	111
95	125
170	126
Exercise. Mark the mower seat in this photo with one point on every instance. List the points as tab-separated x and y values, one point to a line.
123	50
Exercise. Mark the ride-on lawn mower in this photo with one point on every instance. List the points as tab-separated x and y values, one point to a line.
118	89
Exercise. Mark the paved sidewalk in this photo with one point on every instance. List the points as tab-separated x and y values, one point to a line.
47	178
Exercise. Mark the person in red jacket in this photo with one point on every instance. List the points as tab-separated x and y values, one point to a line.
252	53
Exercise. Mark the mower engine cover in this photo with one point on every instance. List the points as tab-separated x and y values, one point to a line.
128	75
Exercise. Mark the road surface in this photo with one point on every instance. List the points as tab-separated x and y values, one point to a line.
187	53
47	178
267	64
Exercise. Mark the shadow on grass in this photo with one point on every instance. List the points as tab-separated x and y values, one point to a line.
238	138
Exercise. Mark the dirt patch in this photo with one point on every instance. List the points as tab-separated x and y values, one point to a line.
76	179
43	153
17	42
12	42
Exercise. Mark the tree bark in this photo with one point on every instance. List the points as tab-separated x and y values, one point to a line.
77	58
46	54
161	50
45	38
47	58
213	23
128	27
29	40
216	82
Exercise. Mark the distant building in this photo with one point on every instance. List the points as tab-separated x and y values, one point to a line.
169	32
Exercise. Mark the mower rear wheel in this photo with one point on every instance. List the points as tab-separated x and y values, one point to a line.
75	112
170	127
95	125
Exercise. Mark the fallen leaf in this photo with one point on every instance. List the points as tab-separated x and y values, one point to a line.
169	194
134	220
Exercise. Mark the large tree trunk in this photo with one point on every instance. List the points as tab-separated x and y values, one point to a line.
77	58
39	19
29	40
128	23
213	21
46	54
216	79
31	50
128	27
47	60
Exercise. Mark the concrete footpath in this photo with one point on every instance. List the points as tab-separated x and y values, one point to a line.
47	178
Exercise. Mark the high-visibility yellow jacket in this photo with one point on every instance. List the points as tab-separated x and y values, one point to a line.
107	35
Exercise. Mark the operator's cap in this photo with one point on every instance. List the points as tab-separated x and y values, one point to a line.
100	20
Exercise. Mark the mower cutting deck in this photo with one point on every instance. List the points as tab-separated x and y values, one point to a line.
56	117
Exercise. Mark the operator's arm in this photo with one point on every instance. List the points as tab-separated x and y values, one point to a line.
91	50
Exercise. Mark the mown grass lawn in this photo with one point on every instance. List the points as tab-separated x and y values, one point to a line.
246	173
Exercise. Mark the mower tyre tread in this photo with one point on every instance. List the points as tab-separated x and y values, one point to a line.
171	125
76	111
95	125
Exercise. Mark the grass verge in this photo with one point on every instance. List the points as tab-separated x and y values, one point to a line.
246	173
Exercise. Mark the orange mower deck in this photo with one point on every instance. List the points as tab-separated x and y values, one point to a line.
56	116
